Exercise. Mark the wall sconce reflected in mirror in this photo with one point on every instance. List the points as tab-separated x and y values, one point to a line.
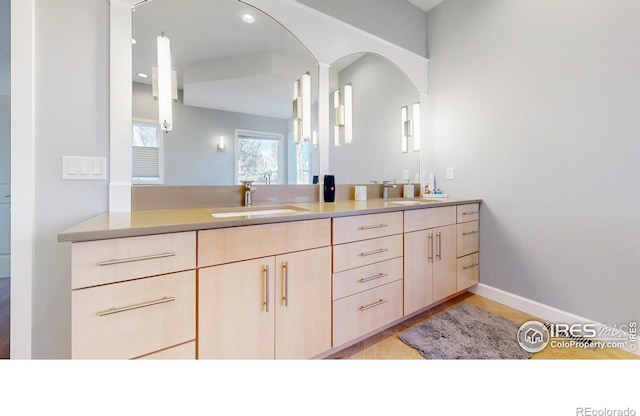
221	144
164	83
314	138
343	115
302	108
410	127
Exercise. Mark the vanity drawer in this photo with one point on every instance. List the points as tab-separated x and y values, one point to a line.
423	219
226	245
366	311
179	352
107	261
361	253
362	227
468	212
364	278
468	271
467	238
130	319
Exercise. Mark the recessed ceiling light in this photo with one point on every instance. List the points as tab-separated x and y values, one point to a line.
248	18
143	75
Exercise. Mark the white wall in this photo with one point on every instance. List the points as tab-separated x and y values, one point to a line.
537	107
397	21
71	118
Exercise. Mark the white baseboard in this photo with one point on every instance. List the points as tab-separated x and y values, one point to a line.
537	309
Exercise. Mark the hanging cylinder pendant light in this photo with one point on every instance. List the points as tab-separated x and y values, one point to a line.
416	127
165	116
348	114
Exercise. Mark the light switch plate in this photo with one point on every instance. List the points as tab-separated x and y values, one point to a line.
84	168
450	173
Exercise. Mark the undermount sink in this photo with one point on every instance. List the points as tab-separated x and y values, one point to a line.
254	211
422	201
407	202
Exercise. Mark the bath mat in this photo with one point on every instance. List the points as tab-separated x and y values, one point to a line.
466	331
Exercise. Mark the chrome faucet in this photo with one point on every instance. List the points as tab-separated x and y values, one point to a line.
385	188
248	190
267	178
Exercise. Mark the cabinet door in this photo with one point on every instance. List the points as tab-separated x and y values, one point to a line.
129	319
444	262
303	303
419	254
236	310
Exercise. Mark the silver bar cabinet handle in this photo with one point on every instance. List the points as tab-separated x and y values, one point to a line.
285	275
265	271
131	259
370	227
471	212
378	276
137	306
439	244
471	232
470	266
378	251
430	247
373	305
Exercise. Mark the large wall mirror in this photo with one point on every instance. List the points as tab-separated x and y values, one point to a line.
236	69
379	91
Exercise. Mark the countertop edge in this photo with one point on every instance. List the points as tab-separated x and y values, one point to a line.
135	231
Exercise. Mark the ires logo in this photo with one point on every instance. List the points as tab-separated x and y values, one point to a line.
573	330
534	336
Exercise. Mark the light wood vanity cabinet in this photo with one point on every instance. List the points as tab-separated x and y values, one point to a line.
275	306
134	297
468	233
367	274
291	290
430	256
440	253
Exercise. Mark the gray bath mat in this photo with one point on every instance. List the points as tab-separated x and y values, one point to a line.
466	331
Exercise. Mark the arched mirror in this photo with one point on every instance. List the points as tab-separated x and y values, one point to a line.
370	140
236	71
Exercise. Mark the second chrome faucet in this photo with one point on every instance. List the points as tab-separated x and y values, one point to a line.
249	189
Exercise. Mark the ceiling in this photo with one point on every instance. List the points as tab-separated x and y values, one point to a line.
221	61
425	5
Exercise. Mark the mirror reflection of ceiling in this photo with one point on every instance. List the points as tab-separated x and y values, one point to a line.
222	63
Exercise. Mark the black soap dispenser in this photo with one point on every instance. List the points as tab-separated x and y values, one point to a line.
329	188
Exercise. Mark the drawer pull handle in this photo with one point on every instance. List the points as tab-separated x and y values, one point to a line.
265	271
471	232
370	227
373	305
471	213
131	259
378	276
370	253
470	266
438	246
285	276
430	248
139	305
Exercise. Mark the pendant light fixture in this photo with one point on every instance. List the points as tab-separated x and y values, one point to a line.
302	108
410	127
343	115
165	99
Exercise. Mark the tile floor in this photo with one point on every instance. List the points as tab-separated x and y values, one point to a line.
387	345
